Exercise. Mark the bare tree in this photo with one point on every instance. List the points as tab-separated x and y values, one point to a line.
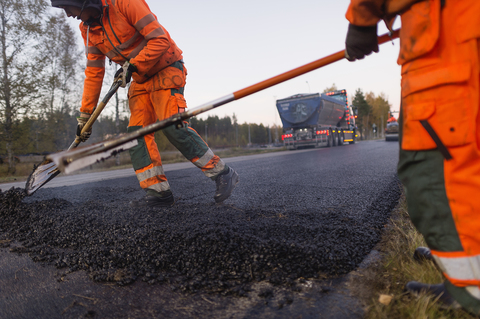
20	29
61	60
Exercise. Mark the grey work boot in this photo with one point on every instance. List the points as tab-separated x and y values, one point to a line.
226	182
438	291
154	199
422	254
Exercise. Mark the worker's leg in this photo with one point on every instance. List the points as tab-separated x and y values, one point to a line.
167	97
145	156
443	220
186	139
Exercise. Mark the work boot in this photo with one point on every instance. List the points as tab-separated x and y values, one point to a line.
438	291
226	182
154	199
422	254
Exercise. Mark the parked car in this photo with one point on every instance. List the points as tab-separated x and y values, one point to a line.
391	132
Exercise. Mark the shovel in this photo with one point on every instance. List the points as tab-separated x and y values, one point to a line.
47	170
70	161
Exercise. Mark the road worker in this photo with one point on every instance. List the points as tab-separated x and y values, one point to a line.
439	162
391	118
128	33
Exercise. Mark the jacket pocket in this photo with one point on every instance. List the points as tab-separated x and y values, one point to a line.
420	30
171	77
418	81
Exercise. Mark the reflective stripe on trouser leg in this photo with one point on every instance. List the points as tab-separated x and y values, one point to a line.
153	177
439	206
145	156
194	148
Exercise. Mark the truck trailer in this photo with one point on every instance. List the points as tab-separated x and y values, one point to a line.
316	120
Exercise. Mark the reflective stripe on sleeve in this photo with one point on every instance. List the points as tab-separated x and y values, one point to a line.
129	42
137	49
143	22
94	50
96	63
155	33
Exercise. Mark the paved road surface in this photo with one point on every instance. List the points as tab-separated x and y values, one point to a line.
280	247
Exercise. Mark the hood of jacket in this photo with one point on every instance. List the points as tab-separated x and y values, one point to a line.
96	4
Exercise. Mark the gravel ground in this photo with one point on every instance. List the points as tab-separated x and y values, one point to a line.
324	229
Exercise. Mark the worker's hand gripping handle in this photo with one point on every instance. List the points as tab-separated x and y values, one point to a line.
97	111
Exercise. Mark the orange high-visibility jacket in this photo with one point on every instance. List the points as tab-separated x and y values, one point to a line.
128	30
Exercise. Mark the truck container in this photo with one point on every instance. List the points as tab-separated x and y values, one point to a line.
316	120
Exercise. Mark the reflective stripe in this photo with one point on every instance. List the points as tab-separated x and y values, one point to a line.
154	171
210	164
460	268
112	54
153	178
143	22
155	33
137	50
94	50
202	161
96	63
156	186
474	291
129	42
216	170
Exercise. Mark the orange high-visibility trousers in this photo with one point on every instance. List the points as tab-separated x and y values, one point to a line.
156	99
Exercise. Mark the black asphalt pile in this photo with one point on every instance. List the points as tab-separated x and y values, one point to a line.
215	249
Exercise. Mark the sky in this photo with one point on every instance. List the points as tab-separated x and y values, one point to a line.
229	45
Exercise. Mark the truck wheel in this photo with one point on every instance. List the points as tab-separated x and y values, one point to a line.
340	139
334	139
330	139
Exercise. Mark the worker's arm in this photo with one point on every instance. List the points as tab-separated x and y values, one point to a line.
139	15
94	72
365	13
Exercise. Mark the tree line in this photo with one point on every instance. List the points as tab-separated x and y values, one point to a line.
40	92
373	113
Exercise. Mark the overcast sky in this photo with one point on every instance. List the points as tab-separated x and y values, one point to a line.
229	45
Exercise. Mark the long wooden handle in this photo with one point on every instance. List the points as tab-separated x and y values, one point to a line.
304	69
97	111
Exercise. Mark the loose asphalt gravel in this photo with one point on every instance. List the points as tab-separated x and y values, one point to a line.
305	215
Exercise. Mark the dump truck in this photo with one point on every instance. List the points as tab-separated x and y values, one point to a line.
317	120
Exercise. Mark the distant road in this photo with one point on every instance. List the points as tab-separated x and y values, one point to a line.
76	179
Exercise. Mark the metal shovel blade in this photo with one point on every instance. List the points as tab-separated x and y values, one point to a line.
75	159
41	175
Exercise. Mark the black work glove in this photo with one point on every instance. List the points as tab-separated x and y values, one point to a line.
125	72
361	41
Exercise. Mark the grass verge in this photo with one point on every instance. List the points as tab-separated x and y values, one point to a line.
380	286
